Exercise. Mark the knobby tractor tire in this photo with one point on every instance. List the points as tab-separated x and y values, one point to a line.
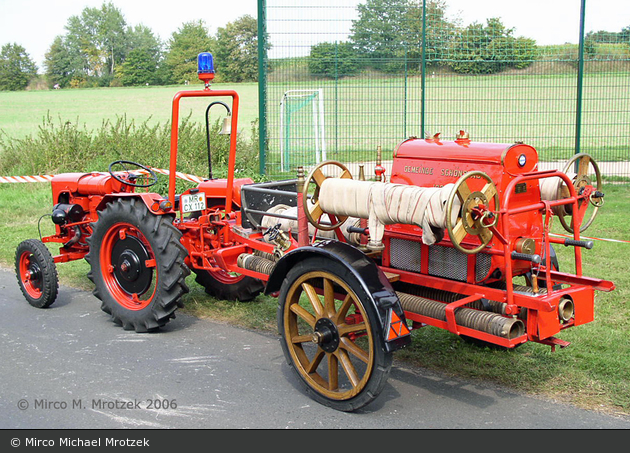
36	273
328	330
137	265
225	286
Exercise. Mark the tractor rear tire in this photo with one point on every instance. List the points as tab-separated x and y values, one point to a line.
137	263
225	286
36	273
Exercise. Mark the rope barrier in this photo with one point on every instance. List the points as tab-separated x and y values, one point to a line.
592	238
48	178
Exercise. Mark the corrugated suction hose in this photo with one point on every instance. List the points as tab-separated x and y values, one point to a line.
488	322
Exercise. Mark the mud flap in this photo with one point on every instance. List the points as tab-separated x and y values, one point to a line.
393	329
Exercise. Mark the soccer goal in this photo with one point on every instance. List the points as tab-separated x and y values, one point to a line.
302	139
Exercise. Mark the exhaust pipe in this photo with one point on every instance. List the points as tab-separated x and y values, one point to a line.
484	321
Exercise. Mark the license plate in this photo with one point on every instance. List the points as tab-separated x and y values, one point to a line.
193	202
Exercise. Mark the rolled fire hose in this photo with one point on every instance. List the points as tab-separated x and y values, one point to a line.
551	189
386	204
269	221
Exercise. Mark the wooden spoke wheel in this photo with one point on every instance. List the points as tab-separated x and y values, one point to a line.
329	338
310	193
477	212
588	175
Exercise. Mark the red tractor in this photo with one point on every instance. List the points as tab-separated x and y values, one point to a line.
458	238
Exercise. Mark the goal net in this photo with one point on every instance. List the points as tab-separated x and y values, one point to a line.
302	139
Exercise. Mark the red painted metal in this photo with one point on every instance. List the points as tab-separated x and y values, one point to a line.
175	137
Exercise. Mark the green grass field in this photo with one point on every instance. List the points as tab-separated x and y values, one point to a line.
22	112
363	113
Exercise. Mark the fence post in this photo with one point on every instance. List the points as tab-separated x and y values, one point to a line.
424	68
336	99
262	85
580	82
405	96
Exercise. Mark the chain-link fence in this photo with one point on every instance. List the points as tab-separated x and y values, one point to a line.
344	77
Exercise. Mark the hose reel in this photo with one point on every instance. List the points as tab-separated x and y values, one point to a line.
580	182
587	174
434	209
475	218
313	183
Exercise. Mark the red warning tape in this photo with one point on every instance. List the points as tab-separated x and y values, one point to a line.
586	237
197	179
18	179
48	178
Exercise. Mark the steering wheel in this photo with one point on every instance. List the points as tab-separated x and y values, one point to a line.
130	178
314	182
475	217
580	182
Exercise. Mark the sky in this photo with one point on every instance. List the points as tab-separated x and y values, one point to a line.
34	24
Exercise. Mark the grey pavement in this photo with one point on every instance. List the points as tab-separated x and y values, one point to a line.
70	367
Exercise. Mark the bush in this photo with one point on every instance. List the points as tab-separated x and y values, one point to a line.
60	147
333	60
490	48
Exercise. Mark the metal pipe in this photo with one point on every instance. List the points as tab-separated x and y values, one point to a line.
566	309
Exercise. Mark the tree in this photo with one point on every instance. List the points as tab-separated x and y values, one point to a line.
143	60
333	60
185	44
388	33
16	68
381	31
95	43
237	50
59	64
490	48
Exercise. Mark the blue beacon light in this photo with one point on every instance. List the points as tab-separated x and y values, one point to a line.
205	67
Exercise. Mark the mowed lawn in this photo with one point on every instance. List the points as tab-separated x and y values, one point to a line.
362	113
22	112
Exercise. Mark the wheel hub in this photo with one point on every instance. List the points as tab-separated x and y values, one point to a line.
129	257
34	275
326	335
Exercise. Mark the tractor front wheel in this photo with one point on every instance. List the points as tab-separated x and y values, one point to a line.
36	273
137	263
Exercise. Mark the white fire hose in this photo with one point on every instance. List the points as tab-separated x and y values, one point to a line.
386	204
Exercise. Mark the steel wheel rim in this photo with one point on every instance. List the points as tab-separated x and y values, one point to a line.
30	275
330	367
225	277
109	268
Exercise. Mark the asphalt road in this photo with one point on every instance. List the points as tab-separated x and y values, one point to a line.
70	367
